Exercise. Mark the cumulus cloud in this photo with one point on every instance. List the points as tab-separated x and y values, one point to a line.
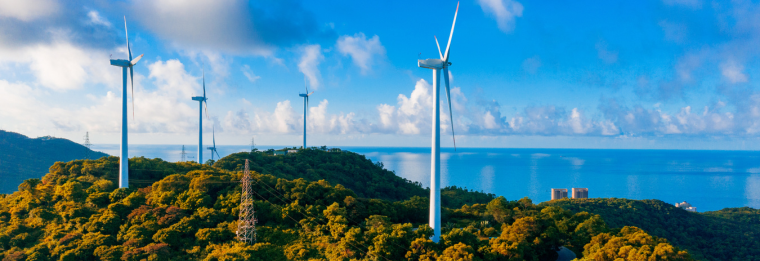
504	11
28	10
166	109
62	65
232	26
311	57
284	119
363	51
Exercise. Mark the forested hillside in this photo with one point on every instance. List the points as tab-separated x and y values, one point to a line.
352	170
729	234
23	158
76	213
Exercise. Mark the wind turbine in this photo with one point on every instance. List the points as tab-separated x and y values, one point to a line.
435	173
201	102
305	107
213	148
123	155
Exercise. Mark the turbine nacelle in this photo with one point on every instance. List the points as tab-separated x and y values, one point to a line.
120	63
431	63
200	98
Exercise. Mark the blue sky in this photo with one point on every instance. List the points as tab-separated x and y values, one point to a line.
672	74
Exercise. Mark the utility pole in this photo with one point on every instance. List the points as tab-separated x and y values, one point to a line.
246	231
87	145
184	154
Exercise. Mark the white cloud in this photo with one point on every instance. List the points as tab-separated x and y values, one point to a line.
230	26
249	73
310	59
95	18
363	51
61	65
28	10
733	72
504	11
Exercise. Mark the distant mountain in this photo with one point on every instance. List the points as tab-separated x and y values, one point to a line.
23	158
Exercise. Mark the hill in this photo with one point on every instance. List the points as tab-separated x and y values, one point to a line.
729	234
76	213
352	170
23	158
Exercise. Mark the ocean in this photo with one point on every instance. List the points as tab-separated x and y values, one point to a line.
708	180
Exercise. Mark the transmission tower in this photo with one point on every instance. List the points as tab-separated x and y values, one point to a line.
184	154
253	145
246	227
87	145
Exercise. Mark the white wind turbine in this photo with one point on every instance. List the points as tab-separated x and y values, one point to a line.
201	102
213	147
123	155
435	173
305	108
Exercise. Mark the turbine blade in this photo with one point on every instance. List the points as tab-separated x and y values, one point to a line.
439	46
127	33
312	92
137	59
448	46
132	80
448	97
213	135
205	106
217	153
204	83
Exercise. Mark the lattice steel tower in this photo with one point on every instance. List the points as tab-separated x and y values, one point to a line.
87	145
246	227
183	154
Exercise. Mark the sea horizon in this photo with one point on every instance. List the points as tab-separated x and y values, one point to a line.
708	179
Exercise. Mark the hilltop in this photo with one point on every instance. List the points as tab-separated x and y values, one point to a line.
728	234
23	158
352	170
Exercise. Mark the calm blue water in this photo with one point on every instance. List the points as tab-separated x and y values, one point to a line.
709	180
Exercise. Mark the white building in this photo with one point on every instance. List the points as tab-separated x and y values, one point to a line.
686	206
579	192
559	193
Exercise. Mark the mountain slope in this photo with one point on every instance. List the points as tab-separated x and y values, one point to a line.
706	236
23	158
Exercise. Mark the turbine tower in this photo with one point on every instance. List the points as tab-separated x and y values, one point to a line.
213	147
124	64
435	174
201	102
305	107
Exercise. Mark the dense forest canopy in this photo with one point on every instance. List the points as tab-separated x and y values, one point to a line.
728	234
190	213
23	158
